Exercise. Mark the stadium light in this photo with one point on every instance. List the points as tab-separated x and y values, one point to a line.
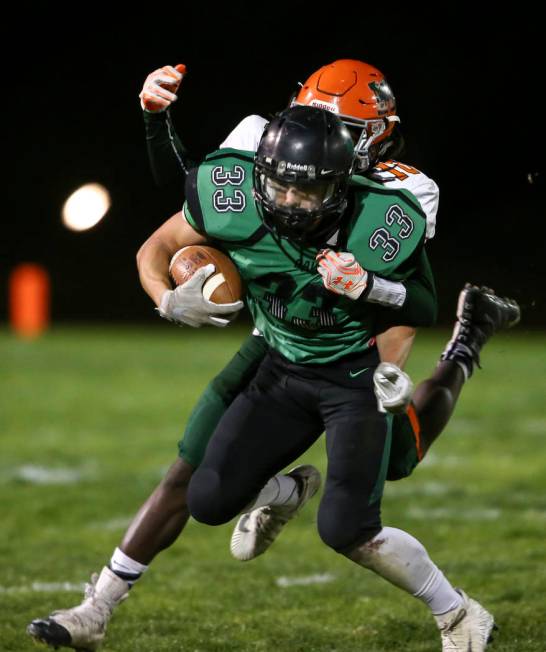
86	207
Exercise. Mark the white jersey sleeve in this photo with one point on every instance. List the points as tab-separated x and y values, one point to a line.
246	134
393	174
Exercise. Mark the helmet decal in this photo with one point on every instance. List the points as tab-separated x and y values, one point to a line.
383	96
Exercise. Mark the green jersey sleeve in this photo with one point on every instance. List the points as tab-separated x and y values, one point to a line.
219	198
420	307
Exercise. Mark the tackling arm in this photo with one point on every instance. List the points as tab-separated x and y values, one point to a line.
168	157
402	304
394	344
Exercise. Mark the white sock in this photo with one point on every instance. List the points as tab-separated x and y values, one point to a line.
280	490
125	567
399	558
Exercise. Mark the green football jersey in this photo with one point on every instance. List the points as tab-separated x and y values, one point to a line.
296	314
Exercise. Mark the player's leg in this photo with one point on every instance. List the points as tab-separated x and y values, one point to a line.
163	516
256	530
480	313
358	445
268	425
159	521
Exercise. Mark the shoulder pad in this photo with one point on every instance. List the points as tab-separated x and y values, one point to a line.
246	134
219	198
393	174
387	228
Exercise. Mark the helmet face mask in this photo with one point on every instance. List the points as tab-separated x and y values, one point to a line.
286	194
298	210
302	169
361	97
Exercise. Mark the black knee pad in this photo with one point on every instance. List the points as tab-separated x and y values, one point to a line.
205	500
345	531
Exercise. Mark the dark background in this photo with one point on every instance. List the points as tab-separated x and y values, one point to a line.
469	92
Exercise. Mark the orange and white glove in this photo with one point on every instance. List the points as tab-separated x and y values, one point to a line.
159	90
341	273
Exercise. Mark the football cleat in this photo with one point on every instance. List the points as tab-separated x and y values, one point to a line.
480	313
83	627
466	628
256	530
393	388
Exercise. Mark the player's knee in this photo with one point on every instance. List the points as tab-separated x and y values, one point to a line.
343	530
206	500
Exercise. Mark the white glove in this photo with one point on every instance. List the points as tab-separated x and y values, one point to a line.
187	305
341	273
159	90
393	388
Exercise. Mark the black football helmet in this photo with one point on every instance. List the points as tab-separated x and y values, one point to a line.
301	174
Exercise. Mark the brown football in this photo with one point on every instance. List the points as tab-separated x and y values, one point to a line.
224	286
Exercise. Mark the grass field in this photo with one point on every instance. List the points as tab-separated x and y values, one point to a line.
89	422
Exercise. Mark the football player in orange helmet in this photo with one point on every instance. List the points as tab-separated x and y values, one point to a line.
358	94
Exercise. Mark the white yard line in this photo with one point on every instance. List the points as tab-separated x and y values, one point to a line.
417	488
320	578
533	426
460	514
112	524
431	459
44	475
44	587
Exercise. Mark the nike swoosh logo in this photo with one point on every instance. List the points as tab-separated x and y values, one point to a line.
354	374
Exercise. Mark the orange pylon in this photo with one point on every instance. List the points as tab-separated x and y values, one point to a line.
29	299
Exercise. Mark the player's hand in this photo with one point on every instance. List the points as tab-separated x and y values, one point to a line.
393	388
187	305
159	90
341	273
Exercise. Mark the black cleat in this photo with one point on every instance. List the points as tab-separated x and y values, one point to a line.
480	314
48	631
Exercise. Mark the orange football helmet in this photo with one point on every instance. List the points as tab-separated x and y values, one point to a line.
360	95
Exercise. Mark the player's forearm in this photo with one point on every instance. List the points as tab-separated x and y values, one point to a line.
168	157
394	344
153	268
154	257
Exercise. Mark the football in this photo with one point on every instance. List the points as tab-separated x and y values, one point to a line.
223	286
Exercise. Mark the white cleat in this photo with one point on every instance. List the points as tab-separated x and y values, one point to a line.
467	628
83	627
393	388
256	530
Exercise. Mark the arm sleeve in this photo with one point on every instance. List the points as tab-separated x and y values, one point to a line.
168	157
420	307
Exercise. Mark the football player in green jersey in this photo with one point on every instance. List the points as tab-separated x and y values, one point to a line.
319	326
171	517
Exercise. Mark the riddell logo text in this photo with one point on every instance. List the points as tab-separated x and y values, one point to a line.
325	106
297	166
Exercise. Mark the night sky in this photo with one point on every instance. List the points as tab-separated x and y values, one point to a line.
468	92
